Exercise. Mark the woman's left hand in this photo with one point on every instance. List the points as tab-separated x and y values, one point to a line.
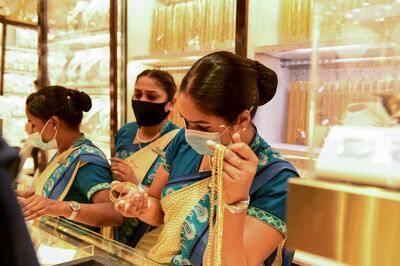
121	169
36	206
240	166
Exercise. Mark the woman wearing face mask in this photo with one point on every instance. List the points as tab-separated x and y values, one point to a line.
136	160
218	99
76	183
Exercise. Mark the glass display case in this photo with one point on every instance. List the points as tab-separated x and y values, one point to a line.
74	53
78	56
19	71
346	78
60	242
355	85
356	61
172	35
283	122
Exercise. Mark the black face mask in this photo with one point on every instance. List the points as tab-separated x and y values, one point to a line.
149	114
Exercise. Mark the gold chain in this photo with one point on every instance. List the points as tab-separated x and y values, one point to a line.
215	249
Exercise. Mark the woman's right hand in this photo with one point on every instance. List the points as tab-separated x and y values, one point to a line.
130	204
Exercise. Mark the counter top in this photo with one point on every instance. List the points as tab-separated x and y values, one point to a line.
59	241
347	223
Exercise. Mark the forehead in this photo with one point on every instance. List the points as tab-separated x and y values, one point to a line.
147	83
192	112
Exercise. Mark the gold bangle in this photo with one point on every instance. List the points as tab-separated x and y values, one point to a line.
238	207
114	195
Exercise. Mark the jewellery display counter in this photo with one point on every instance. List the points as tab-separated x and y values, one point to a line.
172	35
337	101
60	242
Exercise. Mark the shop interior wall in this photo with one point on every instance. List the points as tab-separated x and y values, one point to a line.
140	16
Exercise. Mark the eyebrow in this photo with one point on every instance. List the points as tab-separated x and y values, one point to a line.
196	122
147	90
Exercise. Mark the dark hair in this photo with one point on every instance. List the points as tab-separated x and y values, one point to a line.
224	84
164	79
66	104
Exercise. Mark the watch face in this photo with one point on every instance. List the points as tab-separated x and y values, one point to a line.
75	205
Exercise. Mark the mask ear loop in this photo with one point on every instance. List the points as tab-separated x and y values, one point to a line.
226	128
45	125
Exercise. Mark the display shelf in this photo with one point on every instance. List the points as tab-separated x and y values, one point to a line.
84	40
76	35
335	51
17	94
21	49
173	59
20	72
88	85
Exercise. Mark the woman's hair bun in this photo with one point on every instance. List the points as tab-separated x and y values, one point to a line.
80	100
267	83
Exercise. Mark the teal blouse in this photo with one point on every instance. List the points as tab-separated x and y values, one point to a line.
131	229
90	178
124	146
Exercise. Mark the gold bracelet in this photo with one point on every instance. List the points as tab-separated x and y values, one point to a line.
114	195
239	206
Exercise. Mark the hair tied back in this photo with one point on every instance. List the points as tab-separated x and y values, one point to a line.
80	99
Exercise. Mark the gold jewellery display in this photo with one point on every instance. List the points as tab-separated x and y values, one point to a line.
332	101
181	26
296	19
216	194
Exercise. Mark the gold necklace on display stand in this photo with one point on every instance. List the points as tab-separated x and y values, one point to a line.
216	187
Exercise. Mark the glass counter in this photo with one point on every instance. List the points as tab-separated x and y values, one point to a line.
58	241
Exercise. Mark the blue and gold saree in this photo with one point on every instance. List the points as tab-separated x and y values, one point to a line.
186	200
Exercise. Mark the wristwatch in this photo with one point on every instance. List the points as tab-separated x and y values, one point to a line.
238	207
75	207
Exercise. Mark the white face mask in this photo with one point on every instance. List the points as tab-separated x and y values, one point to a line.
36	140
197	140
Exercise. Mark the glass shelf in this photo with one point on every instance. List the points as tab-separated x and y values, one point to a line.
22	49
20	72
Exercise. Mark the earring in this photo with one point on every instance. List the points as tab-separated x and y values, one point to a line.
244	129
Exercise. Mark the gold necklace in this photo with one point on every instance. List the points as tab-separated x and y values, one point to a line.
216	187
